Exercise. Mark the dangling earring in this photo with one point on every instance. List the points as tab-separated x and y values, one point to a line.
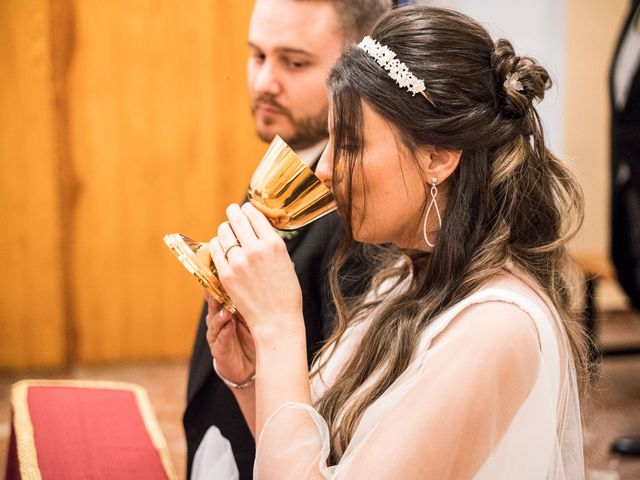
432	203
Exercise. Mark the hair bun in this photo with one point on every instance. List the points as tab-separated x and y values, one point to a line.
521	80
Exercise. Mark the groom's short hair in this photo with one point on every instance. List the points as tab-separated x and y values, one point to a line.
357	17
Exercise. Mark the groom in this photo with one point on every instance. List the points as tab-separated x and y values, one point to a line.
294	44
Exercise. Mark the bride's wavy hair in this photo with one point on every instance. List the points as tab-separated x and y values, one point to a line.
509	200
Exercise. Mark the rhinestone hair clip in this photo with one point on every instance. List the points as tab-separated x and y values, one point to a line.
512	82
398	71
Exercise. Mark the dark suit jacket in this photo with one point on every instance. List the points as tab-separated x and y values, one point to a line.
625	180
209	401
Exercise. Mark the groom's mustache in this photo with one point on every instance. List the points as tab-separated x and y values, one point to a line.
271	102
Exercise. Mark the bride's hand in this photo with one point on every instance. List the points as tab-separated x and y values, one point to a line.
255	269
230	342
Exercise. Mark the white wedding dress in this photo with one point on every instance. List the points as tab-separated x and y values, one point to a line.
490	394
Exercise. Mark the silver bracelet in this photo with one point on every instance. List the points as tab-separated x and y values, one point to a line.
231	384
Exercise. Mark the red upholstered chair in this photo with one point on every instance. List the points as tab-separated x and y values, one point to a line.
68	429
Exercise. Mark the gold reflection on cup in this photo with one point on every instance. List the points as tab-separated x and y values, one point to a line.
284	189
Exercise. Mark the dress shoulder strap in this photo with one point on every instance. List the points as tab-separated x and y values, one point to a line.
548	341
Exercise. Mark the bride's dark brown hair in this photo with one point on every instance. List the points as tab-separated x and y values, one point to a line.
509	200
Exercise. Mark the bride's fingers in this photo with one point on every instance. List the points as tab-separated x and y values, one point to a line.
244	337
215	308
219	259
258	221
227	237
212	304
227	340
216	320
241	226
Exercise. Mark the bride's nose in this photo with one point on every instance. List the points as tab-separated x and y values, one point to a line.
325	166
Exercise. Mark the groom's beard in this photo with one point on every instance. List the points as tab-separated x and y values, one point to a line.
307	131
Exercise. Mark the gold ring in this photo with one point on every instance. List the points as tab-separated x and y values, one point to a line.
227	249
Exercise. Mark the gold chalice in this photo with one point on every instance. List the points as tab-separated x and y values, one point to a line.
284	189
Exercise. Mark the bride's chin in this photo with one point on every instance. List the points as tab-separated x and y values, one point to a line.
358	237
364	236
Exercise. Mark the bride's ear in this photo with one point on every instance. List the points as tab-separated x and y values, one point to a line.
438	162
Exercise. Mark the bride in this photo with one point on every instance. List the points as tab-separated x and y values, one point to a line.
462	361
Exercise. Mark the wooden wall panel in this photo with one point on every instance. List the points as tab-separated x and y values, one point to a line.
592	31
162	140
119	122
32	304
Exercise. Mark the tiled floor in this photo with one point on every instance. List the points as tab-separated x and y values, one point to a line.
613	408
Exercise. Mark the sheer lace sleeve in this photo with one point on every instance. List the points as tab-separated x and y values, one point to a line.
443	418
294	444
